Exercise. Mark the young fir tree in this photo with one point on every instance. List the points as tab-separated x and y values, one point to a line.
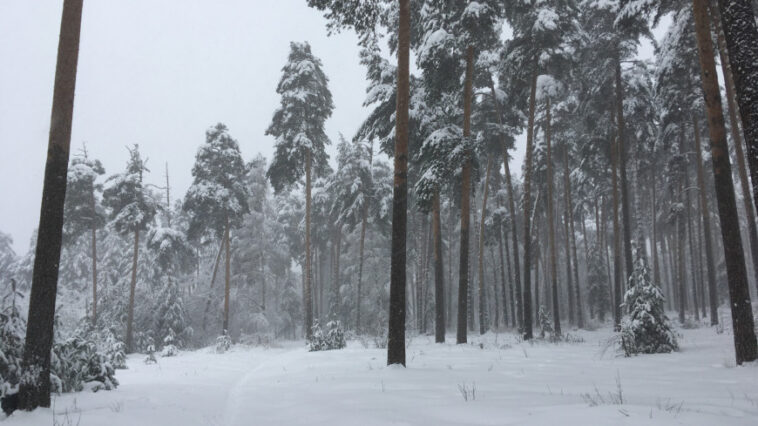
646	329
298	126
131	211
217	199
82	212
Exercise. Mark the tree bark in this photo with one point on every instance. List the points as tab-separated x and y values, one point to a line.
527	295
94	257
574	314
711	267
364	219
35	392
739	294
463	271
396	327
733	110
741	34
617	275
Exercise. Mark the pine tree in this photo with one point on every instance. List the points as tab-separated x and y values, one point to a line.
298	126
597	284
646	329
131	211
217	199
82	212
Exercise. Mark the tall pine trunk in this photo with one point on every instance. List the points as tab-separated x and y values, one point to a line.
307	288
227	278
463	272
35	391
625	204
482	294
396	326
746	348
527	295
741	34
362	244
574	312
732	108
551	226
94	257
617	275
439	273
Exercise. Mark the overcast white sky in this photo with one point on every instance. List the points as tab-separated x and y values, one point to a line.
157	73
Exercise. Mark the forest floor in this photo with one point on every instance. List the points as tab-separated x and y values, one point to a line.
494	380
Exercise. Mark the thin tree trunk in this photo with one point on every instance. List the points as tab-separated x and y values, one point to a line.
503	275
307	288
527	296
35	392
94	258
482	297
617	275
512	211
551	226
227	278
449	292
463	289
132	287
364	219
439	273
570	244
396	326
213	280
739	294
625	204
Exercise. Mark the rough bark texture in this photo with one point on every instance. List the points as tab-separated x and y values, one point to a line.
527	295
737	138
742	316
741	35
39	332
396	332
463	271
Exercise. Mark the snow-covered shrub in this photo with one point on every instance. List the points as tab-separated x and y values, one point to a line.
223	343
143	342
331	338
12	329
646	328
115	350
546	322
77	363
169	349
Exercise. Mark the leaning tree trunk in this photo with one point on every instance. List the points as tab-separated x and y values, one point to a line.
741	33
527	295
746	348
732	108
551	227
132	287
396	326
463	271
35	391
227	278
482	297
439	273
625	205
512	212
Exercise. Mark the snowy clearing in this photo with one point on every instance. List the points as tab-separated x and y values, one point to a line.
505	382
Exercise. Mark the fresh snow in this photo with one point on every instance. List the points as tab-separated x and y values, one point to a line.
515	383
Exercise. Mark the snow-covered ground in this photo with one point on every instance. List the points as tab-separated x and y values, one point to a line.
506	382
